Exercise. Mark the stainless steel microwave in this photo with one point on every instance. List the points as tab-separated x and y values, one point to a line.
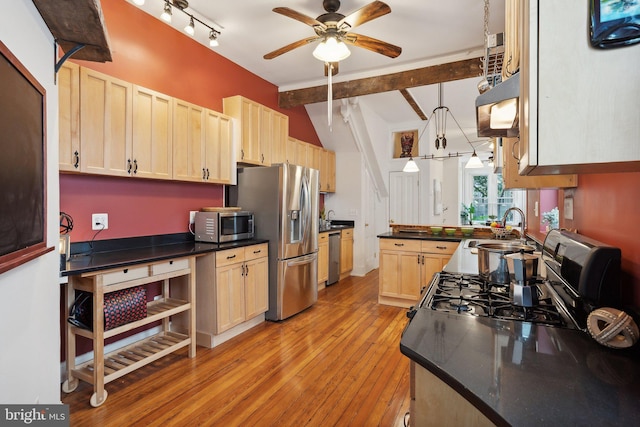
220	227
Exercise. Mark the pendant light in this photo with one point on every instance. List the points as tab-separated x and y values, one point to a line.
411	166
474	162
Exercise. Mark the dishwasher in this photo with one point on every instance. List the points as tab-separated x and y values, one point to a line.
334	258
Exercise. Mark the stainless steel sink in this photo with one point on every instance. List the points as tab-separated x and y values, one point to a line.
472	243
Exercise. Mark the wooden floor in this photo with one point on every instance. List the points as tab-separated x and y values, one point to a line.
337	363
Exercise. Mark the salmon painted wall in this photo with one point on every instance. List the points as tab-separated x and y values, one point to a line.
152	54
606	208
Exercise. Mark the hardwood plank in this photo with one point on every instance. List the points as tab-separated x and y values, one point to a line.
337	363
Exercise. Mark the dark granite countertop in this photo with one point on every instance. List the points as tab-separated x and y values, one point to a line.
418	235
522	374
337	225
138	250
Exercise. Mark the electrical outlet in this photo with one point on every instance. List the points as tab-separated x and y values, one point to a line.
99	221
192	217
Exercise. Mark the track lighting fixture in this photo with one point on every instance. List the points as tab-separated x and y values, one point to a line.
190	28
166	15
213	38
181	6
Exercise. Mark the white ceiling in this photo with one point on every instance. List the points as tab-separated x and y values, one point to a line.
430	32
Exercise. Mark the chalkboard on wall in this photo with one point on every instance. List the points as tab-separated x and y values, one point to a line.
22	164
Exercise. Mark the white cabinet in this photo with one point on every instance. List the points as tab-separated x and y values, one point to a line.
579	108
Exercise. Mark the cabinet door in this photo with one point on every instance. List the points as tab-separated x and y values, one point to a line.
188	141
512	178
346	251
230	305
328	171
105	128
69	117
323	258
431	264
218	152
266	135
301	153
400	274
250	125
152	134
256	282
280	133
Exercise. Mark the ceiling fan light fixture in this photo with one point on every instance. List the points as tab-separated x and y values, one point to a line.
331	50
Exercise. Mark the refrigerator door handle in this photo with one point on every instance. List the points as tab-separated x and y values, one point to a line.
302	260
305	205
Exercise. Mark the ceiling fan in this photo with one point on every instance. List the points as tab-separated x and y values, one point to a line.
335	27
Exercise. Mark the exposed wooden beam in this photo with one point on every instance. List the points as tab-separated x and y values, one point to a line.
396	81
412	102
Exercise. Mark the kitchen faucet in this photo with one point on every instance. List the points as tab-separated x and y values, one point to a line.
506	214
329	214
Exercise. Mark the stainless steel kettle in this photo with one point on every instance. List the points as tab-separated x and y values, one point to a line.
523	289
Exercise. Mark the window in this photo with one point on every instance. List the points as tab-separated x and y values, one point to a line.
484	190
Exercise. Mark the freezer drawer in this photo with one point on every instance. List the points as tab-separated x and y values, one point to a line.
297	287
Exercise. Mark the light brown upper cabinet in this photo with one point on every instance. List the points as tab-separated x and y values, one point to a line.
218	147
328	171
188	141
512	178
151	134
255	130
69	117
105	131
280	133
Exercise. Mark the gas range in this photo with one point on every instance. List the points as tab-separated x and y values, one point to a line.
470	295
581	275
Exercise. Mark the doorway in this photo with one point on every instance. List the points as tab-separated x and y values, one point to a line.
404	198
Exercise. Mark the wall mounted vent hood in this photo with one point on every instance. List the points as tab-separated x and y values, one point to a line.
497	109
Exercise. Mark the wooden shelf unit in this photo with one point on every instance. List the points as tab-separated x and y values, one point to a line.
177	300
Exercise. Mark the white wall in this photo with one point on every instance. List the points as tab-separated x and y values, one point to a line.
30	293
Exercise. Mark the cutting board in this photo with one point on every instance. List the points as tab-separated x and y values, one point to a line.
221	209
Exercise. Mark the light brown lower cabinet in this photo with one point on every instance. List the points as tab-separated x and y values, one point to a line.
406	266
346	253
434	403
323	259
232	288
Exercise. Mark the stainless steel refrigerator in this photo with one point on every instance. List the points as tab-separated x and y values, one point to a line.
284	199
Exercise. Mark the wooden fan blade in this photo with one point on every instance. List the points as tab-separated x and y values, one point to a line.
366	13
372	44
290	47
299	17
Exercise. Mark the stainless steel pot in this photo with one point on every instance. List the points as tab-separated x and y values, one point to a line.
492	264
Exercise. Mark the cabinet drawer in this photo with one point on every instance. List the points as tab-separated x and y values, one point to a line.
439	247
169	266
400	245
124	275
323	237
347	234
256	251
230	256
